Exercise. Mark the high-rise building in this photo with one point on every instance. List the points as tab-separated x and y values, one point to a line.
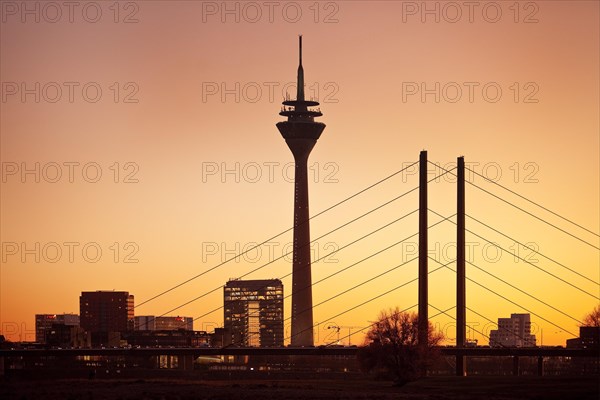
153	323
44	322
513	332
253	312
301	133
106	312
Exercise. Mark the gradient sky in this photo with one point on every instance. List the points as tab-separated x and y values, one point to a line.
164	124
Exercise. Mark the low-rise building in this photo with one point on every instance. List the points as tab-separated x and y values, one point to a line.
44	322
513	332
162	323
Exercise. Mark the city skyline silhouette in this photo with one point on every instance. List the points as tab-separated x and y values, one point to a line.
193	173
158	240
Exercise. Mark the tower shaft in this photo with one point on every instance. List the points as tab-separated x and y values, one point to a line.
302	316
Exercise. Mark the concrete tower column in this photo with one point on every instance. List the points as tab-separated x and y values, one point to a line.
461	324
423	328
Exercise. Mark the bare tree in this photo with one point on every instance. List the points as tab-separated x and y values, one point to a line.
391	350
593	318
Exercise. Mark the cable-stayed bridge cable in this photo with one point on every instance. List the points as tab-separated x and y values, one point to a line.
525	211
279	234
525	261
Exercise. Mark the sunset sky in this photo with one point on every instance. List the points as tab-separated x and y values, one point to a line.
175	103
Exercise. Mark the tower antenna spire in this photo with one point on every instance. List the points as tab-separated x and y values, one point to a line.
300	83
300	47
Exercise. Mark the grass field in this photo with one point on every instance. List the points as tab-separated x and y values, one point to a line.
430	388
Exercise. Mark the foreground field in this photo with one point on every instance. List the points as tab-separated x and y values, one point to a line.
430	388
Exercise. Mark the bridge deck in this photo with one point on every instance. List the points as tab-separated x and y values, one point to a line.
287	351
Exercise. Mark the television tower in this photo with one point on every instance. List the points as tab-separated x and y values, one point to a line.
301	132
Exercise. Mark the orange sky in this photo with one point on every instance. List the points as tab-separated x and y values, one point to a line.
167	134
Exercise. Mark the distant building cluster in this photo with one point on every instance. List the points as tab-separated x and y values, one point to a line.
513	332
253	315
106	318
